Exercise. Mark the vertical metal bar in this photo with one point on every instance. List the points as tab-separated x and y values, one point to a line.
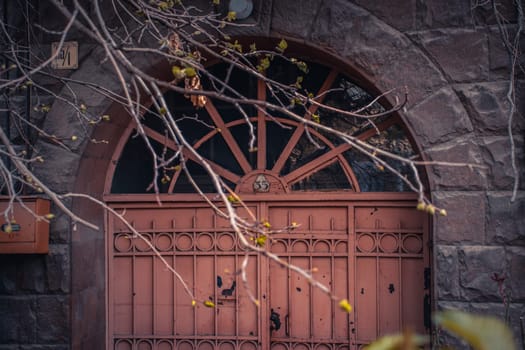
194	278
174	284
400	277
310	287
133	306
332	280
154	279
214	276
263	287
351	282
261	127
215	297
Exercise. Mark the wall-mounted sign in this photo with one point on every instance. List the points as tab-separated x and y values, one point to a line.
67	57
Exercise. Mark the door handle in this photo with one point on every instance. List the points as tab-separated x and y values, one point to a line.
287	325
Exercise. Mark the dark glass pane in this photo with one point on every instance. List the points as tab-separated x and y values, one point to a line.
370	177
331	177
307	149
241	133
201	178
134	172
238	80
277	136
349	97
218	151
287	73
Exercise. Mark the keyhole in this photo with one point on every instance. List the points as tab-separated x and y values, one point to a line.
362	291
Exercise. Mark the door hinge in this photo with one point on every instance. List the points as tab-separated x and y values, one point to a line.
426	278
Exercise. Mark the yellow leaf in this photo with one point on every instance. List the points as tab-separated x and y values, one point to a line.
208	303
266	224
233	198
431	209
190	72
261	240
481	332
345	305
421	206
49	216
232	15
177	72
443	212
283	45
193	303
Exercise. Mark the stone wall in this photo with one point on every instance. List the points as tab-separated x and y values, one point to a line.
451	58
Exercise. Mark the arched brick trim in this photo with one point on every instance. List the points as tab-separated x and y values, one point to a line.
385	58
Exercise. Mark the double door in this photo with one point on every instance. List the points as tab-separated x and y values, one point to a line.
371	253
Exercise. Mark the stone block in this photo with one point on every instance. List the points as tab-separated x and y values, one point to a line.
463	151
58	268
439	118
483	12
488	107
477	264
462	54
31	276
400	14
375	49
294	17
18	320
59	167
439	14
447	273
465	222
7	275
45	347
445	339
52	319
60	226
505	219
498	55
516	280
496	151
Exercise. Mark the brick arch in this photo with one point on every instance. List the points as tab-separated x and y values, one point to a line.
380	55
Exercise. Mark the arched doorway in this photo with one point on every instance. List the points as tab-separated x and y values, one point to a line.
358	233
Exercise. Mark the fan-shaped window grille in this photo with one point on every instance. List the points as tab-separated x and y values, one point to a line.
290	155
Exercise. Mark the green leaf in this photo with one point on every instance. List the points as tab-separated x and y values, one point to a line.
481	332
405	341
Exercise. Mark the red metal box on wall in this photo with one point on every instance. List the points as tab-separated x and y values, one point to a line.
24	232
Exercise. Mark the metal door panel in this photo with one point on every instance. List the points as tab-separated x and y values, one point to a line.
390	261
320	244
150	309
383	247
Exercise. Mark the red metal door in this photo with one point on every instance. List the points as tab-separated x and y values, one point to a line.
150	309
321	245
370	253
